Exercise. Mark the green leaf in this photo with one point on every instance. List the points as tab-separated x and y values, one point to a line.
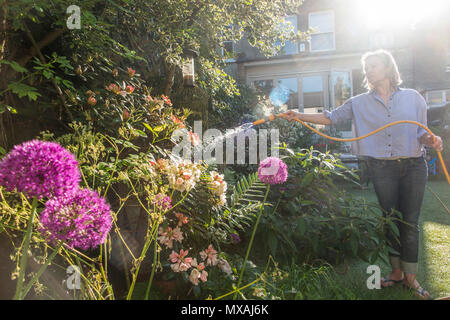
306	181
23	90
301	226
273	243
47	74
17	67
354	243
160	128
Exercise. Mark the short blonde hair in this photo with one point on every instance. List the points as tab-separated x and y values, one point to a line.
389	61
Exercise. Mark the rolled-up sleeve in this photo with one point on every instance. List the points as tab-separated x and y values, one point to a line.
341	113
422	115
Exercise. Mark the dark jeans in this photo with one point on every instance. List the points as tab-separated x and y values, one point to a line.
400	184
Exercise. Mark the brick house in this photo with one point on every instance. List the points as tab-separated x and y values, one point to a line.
323	72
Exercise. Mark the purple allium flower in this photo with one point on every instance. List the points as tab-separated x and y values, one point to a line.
82	220
161	202
272	170
235	238
41	169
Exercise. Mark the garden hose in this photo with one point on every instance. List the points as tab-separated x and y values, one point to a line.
272	117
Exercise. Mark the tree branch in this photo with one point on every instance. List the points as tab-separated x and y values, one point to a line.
42	58
37	46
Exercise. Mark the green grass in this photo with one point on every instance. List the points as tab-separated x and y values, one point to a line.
434	250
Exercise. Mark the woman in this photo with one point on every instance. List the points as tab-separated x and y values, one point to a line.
395	155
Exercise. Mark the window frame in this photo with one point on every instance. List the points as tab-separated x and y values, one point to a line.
317	33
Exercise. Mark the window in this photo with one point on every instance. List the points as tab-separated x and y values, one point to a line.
228	45
313	95
228	48
322	37
290	86
437	97
341	92
290	47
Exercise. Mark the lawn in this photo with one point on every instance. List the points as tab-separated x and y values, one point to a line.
434	250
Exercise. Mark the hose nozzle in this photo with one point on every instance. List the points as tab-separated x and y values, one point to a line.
265	119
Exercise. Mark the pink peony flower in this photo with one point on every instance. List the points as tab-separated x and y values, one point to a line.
272	170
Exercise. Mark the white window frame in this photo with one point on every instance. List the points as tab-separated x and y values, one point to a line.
443	96
232	51
330	84
315	33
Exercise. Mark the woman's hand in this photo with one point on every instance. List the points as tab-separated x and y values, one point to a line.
289	115
428	140
437	144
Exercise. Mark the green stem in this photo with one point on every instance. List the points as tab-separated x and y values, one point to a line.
155	252
140	259
251	239
41	271
24	257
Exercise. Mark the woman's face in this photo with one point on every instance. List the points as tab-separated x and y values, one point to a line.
375	70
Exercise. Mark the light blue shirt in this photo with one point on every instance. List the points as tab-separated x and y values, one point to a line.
369	113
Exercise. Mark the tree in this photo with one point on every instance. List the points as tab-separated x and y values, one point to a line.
150	34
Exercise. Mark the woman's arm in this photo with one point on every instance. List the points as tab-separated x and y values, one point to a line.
317	118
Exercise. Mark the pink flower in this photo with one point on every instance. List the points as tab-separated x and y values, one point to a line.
131	72
125	115
194	277
224	266
193	137
210	255
181	219
204	276
129	89
272	170
92	101
167	237
166	100
198	274
113	88
180	261
177	121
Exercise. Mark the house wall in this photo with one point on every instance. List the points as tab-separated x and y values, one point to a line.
422	54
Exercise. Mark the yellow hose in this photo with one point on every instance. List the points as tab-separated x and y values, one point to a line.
271	117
